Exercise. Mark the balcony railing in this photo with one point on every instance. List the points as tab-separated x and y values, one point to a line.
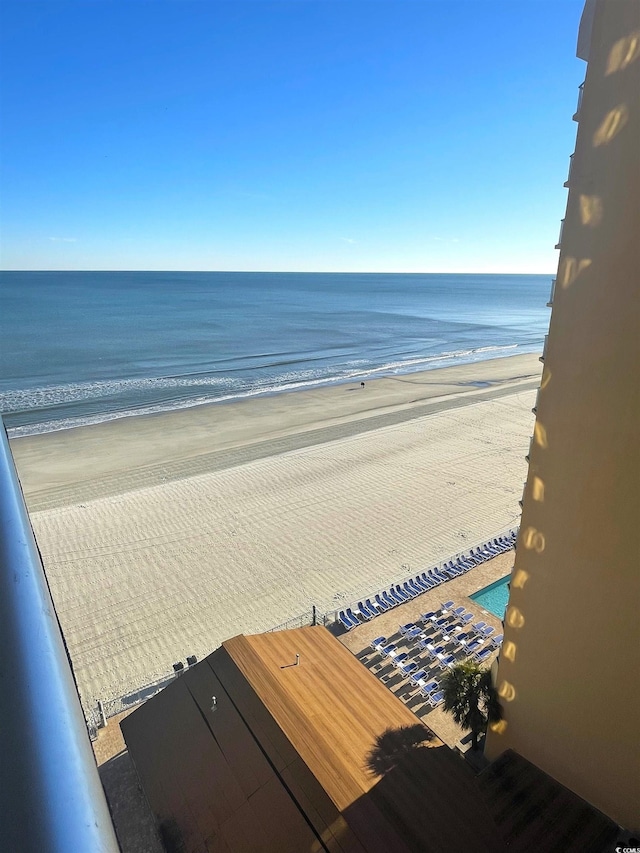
568	181
544	349
528	456
535	408
552	294
576	115
52	800
524	491
559	243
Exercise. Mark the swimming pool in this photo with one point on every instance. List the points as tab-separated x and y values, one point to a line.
494	597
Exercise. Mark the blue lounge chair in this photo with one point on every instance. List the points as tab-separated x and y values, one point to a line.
395	597
468	617
473	646
353	618
488	631
496	641
447	634
378	643
478	627
419	675
408	668
362	607
419	585
391	602
362	611
386	651
346	622
400	597
374	608
458	611
427	689
446	661
413	633
408	591
435	699
427	617
447	605
404	629
482	655
399	659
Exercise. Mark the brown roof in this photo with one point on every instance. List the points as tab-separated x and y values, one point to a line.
329	706
300	735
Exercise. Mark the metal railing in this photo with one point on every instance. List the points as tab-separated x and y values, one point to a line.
568	181
51	798
559	243
528	456
576	115
552	294
544	349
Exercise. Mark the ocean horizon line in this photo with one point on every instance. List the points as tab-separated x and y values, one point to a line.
276	272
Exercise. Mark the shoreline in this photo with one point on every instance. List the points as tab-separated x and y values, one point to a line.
371	375
83	463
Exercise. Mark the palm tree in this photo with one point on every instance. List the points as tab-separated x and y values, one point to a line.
471	698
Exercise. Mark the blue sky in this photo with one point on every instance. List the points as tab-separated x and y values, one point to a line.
412	135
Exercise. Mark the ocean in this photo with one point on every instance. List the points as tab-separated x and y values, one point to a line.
84	347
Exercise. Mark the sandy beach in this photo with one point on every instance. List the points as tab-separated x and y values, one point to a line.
163	535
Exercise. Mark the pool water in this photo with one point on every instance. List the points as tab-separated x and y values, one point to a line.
494	597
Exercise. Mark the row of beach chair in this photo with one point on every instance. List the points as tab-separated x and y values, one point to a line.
437	641
401	593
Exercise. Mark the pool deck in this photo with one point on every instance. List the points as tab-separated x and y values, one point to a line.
387	624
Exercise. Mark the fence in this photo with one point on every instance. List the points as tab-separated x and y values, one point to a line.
309	617
97	716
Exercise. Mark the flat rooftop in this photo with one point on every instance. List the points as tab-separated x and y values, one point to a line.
318	724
